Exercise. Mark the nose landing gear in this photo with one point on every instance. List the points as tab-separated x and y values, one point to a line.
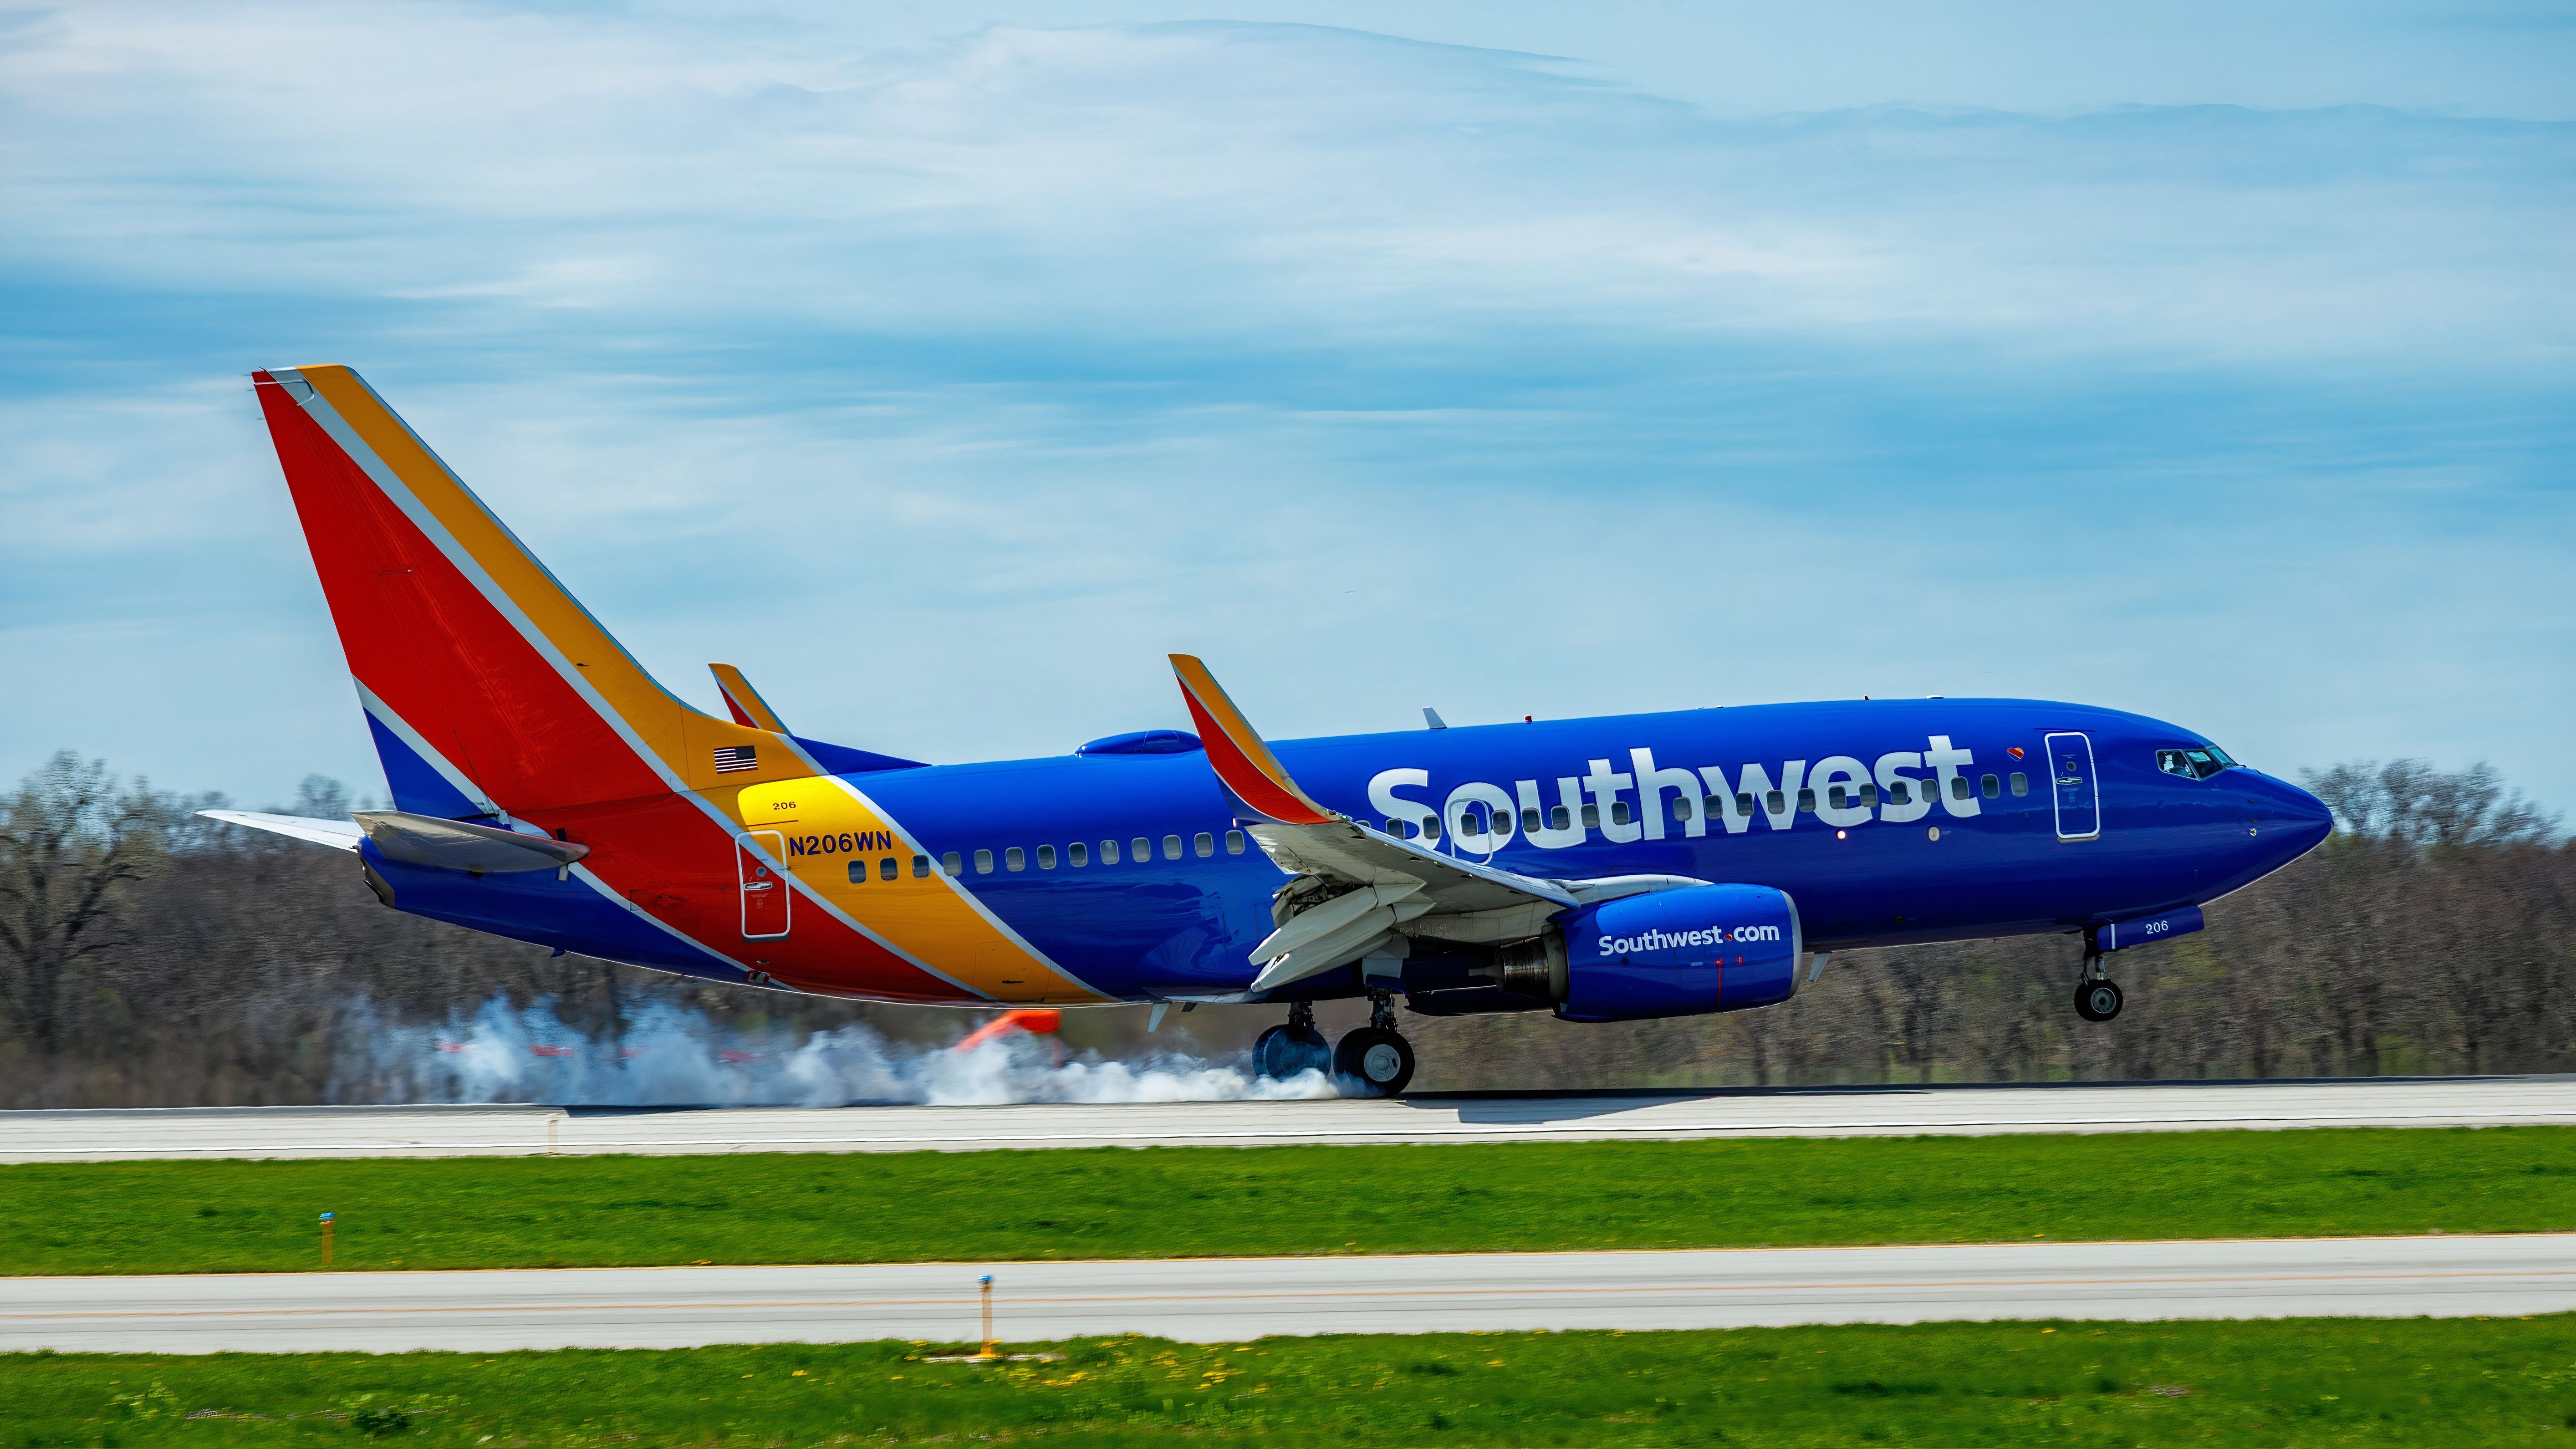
2097	997
1376	1059
1284	1051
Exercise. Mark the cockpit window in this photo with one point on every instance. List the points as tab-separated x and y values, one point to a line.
2194	764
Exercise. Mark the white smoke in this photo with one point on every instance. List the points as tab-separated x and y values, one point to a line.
670	1055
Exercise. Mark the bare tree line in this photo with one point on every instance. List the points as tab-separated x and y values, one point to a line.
150	957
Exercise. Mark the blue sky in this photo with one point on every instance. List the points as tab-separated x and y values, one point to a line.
946	366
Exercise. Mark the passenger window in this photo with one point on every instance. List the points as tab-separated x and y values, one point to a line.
1015	858
1744	801
1529	818
2020	783
1558	819
1500	826
1714	805
858	872
1395	827
1681	807
951	864
1991	787
1869	796
1046	857
920	866
1109	852
1775	802
1140	850
1807	801
1431	827
1834	796
1234	842
983	862
1958	787
1619	812
1171	847
1077	855
1203	845
1592	817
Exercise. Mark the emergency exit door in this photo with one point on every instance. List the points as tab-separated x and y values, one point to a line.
764	891
2078	793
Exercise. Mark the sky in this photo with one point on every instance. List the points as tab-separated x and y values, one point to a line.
945	366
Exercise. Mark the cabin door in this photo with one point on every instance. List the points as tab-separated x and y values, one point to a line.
764	891
2077	792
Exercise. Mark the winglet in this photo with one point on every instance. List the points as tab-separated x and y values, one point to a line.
744	702
1242	762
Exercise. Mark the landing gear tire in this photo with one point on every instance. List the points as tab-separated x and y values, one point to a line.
1284	1051
1374	1061
2097	1000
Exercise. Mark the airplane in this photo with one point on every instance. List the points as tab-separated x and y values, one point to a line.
547	789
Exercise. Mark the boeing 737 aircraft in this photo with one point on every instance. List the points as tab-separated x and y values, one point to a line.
549	790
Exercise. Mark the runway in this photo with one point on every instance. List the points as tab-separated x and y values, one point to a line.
292	1132
1230	1300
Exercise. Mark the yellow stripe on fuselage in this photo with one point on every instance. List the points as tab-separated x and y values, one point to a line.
929	918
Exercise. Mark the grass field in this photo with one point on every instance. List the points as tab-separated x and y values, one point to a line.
2314	1381
164	1217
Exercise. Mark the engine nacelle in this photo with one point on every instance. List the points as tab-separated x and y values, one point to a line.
1680	953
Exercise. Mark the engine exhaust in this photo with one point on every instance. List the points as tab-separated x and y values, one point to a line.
1535	967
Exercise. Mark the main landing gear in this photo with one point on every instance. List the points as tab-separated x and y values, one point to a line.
2097	997
1284	1051
1373	1061
1376	1058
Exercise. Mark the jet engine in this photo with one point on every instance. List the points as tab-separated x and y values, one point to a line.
1681	952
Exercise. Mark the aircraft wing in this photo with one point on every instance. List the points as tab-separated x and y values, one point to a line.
1355	883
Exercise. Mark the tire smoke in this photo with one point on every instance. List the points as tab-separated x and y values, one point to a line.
668	1055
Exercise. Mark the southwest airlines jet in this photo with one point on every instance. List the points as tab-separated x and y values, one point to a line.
549	790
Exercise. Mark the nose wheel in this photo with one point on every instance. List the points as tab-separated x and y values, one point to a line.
2097	997
1375	1060
1284	1051
2097	1000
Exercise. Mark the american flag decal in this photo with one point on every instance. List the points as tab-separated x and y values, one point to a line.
730	758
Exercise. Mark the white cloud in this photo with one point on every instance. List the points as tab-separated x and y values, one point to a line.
1203	180
946	385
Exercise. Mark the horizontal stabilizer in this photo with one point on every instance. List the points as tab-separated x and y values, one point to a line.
338	834
459	845
747	707
744	702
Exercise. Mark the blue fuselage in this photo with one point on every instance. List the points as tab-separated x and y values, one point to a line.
1886	822
1873	874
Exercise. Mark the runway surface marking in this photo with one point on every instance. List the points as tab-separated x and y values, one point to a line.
325	1132
1230	1300
1407	1293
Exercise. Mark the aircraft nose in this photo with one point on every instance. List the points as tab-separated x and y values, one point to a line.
2294	819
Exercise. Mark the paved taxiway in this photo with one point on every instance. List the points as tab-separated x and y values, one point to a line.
1780	1112
1220	1300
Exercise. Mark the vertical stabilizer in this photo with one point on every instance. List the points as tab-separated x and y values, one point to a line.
488	686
